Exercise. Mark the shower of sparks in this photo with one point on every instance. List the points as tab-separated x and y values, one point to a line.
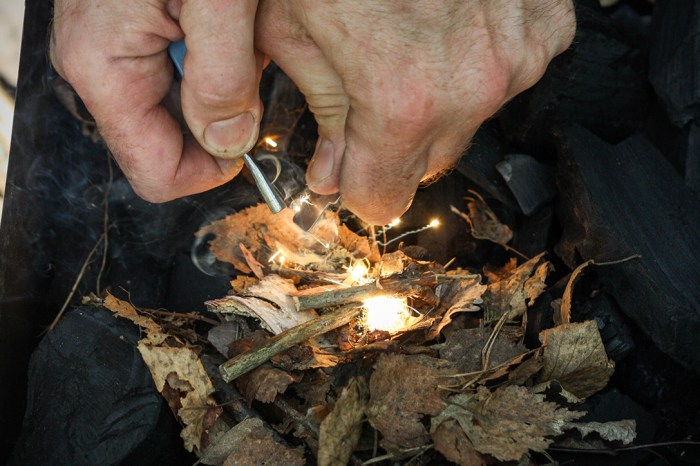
298	202
433	224
386	313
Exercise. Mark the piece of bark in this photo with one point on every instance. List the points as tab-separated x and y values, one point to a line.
622	200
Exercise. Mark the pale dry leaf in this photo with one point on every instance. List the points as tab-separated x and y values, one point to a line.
179	368
553	391
574	355
263	234
251	443
456	296
125	310
340	430
450	440
269	300
402	390
511	295
624	431
507	423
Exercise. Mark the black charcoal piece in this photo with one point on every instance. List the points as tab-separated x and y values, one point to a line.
600	83
623	200
674	69
531	182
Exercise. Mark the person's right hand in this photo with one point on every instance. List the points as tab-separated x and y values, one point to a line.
114	54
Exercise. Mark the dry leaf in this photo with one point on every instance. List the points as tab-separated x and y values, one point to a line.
495	274
507	423
574	355
263	383
463	349
181	370
263	234
393	263
305	356
564	314
241	282
456	296
623	431
402	390
450	440
251	443
483	221
513	294
125	310
252	262
340	430
269	301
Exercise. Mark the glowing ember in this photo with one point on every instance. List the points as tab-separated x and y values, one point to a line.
386	313
395	222
434	223
270	142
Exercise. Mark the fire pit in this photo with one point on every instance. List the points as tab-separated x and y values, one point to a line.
539	303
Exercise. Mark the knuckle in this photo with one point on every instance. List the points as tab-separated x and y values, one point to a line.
219	92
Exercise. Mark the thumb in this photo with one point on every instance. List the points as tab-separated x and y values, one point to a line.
220	99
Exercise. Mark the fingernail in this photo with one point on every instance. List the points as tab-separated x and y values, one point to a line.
321	166
230	136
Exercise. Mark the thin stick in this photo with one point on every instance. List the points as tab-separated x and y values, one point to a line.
78	279
105	228
244	363
317	298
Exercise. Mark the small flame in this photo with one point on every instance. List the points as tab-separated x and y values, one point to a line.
270	142
386	313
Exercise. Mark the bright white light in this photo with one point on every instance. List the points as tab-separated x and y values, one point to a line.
358	272
395	222
434	223
386	313
270	142
272	257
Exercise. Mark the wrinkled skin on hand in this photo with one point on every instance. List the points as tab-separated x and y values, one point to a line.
114	53
398	88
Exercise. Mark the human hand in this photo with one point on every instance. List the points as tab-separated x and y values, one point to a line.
399	88
114	54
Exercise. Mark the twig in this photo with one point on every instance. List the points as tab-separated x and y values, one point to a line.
613	450
177	315
78	279
491	341
390	456
317	298
105	228
244	363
